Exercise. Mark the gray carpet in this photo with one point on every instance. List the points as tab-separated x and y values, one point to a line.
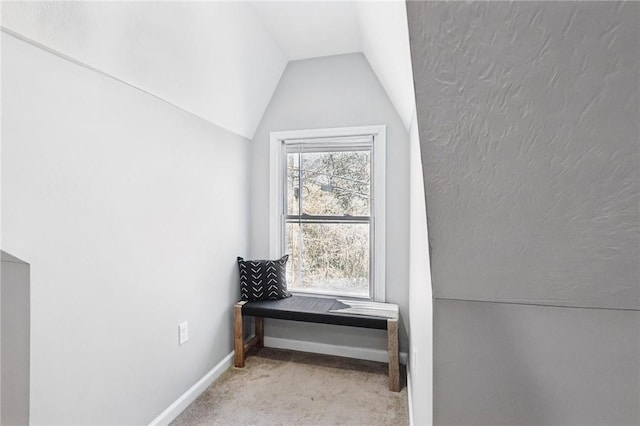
279	387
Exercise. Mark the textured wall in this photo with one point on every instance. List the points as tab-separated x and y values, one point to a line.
131	213
529	116
529	122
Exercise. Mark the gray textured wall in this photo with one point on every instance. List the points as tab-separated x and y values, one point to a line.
15	345
529	125
528	114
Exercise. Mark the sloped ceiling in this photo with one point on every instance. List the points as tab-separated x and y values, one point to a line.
215	60
385	42
312	29
220	60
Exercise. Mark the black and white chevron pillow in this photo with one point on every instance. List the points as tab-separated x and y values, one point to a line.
263	279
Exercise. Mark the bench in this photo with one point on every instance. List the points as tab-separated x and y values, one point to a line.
316	310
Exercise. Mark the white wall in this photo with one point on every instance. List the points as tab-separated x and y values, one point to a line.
528	116
337	91
131	213
420	294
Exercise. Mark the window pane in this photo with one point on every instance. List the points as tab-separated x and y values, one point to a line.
336	183
293	176
328	258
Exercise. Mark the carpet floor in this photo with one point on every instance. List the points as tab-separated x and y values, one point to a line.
279	387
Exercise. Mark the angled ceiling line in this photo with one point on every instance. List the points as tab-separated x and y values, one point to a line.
78	62
225	74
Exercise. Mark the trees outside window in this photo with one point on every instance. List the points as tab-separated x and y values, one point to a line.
328	222
327	209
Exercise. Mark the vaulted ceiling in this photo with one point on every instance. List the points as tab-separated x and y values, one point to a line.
220	61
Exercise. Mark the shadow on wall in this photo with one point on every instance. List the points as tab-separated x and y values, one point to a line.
15	334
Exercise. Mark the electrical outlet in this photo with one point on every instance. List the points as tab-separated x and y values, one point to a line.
183	333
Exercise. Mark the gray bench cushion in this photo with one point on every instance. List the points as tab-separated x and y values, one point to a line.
311	309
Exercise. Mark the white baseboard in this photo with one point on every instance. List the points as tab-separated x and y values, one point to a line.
409	394
183	401
327	349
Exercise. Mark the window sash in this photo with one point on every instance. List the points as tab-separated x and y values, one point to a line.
312	146
370	294
356	143
276	213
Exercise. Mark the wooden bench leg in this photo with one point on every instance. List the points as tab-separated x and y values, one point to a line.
238	334
394	362
259	322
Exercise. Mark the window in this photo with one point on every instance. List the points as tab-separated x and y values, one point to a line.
327	210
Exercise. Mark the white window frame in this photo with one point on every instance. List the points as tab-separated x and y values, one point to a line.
276	193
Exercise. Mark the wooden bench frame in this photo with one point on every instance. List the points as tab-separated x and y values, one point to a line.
257	340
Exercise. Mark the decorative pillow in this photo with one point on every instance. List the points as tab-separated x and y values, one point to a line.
263	279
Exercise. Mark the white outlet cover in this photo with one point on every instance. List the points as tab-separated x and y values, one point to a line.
183	333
